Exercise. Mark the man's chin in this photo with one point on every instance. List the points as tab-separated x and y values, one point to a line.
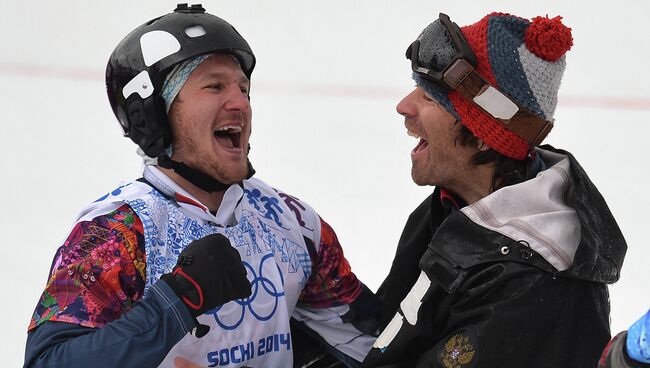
418	179
232	177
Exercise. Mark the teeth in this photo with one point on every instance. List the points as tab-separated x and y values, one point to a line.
229	129
413	134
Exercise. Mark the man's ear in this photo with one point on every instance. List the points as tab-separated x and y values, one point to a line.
482	146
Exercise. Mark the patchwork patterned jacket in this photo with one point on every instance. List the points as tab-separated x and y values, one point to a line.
105	305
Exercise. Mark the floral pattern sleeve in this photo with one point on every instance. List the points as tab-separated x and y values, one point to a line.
97	274
332	281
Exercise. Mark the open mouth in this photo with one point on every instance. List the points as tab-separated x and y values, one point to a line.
229	136
422	145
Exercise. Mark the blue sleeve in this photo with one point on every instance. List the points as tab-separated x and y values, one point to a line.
638	340
141	337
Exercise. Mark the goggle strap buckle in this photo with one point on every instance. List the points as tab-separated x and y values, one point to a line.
457	72
523	123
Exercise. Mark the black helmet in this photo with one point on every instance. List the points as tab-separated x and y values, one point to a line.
139	64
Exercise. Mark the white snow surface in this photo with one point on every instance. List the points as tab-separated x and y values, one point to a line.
328	77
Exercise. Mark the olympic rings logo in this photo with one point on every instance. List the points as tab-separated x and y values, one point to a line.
259	283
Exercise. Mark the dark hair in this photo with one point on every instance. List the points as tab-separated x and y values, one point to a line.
507	171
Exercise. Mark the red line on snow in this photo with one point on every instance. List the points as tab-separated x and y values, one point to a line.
377	92
606	102
32	70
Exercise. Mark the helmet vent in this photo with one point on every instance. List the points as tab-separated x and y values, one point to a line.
195	31
156	45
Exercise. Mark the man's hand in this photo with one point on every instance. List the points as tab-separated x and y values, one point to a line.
208	273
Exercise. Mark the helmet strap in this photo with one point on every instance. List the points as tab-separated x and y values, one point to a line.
201	180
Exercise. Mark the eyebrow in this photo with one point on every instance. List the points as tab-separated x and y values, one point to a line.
222	75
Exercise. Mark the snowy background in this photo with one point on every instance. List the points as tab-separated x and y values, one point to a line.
324	91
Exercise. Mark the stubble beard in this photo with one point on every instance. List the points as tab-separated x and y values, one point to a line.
234	174
185	146
228	173
420	175
417	179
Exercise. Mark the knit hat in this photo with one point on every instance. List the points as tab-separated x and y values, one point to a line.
523	59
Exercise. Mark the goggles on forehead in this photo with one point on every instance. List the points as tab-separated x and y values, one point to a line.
459	75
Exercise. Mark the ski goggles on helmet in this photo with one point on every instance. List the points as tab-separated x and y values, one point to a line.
462	63
459	75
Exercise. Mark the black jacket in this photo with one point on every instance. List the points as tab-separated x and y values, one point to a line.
489	300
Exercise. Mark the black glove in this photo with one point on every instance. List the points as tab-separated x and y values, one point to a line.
208	273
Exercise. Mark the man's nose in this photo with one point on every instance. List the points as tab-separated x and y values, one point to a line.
237	99
406	107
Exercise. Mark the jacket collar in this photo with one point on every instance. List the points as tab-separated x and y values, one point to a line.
164	184
535	211
561	215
